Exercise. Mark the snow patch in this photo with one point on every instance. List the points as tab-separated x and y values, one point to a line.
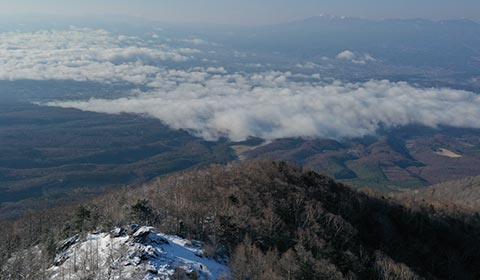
139	254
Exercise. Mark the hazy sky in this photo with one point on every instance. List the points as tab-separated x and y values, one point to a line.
248	11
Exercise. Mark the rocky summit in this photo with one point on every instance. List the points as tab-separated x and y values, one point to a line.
134	253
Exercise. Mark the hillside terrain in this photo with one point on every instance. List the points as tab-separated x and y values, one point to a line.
270	220
464	192
51	156
399	160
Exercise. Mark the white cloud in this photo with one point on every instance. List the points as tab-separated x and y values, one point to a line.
271	105
217	70
195	41
355	58
81	55
308	65
211	102
346	55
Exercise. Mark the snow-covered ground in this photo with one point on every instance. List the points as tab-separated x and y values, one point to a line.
142	254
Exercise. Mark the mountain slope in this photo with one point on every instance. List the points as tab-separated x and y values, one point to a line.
59	155
401	159
464	192
273	220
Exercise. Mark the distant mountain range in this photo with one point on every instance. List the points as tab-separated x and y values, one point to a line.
430	53
419	42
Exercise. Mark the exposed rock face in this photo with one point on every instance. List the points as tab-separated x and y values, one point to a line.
117	232
143	254
141	235
63	247
65	244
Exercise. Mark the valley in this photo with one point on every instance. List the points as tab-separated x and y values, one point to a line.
53	156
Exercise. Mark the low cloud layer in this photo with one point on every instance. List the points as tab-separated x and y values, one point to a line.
82	55
273	105
211	102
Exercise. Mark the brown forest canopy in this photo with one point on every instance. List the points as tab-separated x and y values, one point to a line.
277	221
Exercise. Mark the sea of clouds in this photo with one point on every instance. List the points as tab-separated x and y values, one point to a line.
82	55
211	102
270	106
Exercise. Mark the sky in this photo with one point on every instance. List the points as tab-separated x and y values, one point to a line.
247	12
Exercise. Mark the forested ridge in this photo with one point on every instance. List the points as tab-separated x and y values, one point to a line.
272	220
